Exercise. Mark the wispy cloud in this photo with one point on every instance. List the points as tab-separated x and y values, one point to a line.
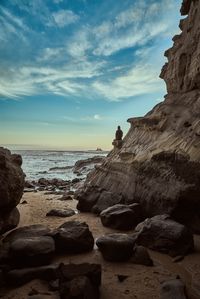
133	27
141	79
95	117
78	60
65	17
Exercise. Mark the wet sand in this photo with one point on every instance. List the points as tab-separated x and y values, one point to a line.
142	282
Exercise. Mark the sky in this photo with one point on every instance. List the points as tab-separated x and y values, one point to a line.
71	71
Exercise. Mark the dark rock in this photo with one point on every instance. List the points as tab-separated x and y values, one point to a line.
65	197
71	271
116	247
78	288
74	237
35	230
61	213
121	278
83	164
76	180
54	285
24	202
9	220
173	289
32	251
120	217
87	199
11	188
106	200
141	256
19	277
43	182
29	185
163	234
80	281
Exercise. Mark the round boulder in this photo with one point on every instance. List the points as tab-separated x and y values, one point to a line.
116	247
73	237
119	217
32	251
163	234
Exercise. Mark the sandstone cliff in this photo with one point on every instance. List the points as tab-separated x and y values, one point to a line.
158	164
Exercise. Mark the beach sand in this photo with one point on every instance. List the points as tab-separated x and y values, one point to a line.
142	282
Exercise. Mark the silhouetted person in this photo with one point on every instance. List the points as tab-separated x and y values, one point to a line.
118	134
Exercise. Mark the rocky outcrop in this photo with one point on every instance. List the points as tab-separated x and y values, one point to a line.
11	189
158	164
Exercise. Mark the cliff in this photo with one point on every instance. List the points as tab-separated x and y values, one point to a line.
158	163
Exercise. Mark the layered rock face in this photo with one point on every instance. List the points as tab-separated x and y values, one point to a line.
11	189
158	164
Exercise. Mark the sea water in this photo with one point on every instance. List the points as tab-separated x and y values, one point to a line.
53	164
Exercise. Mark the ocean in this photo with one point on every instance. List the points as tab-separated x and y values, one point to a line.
53	164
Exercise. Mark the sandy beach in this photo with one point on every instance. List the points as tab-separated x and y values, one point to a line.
142	282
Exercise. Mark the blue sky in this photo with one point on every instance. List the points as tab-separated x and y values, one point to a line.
72	70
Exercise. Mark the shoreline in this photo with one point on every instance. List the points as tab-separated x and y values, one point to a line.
142	281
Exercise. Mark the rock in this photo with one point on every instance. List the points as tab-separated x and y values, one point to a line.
9	220
141	256
165	235
142	169
32	251
173	289
24	202
80	281
18	277
65	197
73	237
35	230
19	235
87	198
29	185
61	213
106	200
91	271
80	288
120	217
116	247
87	164
11	189
121	278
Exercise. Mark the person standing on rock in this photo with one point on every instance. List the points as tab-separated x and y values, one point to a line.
118	134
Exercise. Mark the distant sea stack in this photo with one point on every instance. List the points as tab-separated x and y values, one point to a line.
158	164
11	189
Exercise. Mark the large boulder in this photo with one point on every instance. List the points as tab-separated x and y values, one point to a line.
163	234
116	247
120	216
26	246
11	188
73	237
32	251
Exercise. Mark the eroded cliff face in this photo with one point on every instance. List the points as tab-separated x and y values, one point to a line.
159	162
